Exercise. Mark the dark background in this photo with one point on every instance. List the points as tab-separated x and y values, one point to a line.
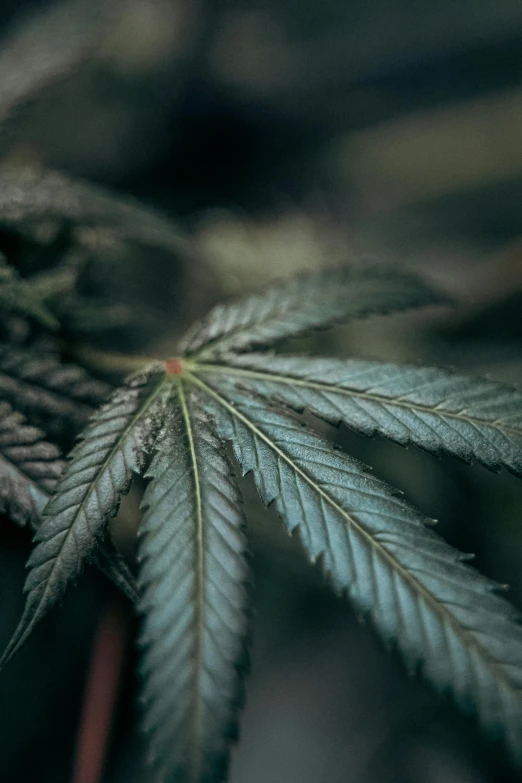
281	136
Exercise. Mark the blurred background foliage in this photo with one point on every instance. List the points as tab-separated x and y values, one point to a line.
279	136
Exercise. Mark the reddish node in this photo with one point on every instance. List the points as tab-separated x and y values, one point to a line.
174	366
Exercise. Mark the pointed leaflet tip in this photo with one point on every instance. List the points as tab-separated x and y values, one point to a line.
437	410
193	573
174	366
376	548
299	305
112	449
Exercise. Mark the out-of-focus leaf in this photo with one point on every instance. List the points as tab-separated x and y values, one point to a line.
46	46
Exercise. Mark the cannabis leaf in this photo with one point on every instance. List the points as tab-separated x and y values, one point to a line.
309	302
443	616
193	575
44	47
27	197
111	449
433	408
29	467
17	296
56	396
376	548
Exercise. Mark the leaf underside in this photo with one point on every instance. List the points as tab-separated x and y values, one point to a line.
193	571
376	548
101	466
297	306
470	418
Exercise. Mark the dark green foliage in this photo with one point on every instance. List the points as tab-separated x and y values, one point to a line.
17	296
29	197
175	417
29	467
53	394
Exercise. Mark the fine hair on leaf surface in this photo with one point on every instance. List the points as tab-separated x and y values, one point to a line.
172	423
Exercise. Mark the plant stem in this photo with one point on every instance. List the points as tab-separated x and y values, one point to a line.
101	692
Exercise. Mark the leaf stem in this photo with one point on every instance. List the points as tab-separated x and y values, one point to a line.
101	693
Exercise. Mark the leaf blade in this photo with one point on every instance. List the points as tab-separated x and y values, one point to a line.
192	576
111	450
304	303
433	408
28	197
376	548
51	393
29	467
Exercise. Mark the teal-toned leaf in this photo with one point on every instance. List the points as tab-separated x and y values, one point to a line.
29	468
471	418
112	448
301	304
193	572
17	296
376	548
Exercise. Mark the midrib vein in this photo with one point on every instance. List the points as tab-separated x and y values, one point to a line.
437	606
199	579
363	395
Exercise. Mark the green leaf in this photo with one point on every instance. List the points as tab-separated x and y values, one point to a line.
375	547
100	470
29	468
28	197
470	418
193	573
55	395
47	45
309	302
17	296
